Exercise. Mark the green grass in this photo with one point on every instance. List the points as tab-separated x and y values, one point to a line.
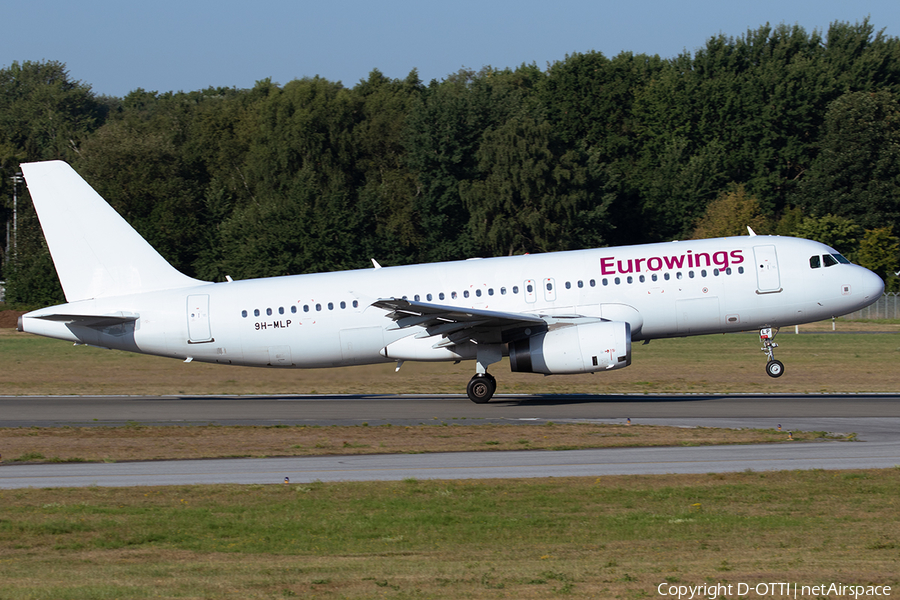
587	537
706	364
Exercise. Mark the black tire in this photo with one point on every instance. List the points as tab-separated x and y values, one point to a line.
481	389
493	382
774	368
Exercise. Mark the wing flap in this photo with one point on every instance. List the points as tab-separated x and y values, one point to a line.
457	325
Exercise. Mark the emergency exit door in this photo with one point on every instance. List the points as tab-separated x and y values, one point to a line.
198	319
768	280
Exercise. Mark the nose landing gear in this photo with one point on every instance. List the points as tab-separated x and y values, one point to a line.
774	368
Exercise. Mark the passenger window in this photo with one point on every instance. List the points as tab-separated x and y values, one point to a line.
593	283
416	297
331	306
441	296
642	279
478	293
428	297
515	289
678	275
703	273
343	304
828	260
605	281
580	284
654	277
618	281
244	313
630	279
549	287
529	288
318	307
255	312
741	270
294	309
465	293
716	272
728	271
490	291
269	312
306	308
691	274
814	262
568	285
453	295
503	291
666	276
280	310
355	304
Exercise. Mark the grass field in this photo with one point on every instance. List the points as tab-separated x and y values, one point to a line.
815	362
610	537
136	442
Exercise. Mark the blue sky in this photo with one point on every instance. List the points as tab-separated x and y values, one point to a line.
166	45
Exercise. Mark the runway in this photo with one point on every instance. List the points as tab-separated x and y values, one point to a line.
875	418
406	409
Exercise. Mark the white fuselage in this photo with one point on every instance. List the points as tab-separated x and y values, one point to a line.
327	320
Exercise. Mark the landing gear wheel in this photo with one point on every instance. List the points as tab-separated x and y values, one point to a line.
481	388
774	368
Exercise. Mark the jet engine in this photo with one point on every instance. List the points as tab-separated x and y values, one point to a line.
582	348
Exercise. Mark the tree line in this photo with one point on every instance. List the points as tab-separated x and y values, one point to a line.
789	131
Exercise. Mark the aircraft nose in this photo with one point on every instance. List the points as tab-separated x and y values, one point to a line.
870	285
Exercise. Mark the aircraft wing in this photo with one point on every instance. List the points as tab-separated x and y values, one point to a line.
458	325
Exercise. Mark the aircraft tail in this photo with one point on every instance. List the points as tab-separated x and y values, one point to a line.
95	251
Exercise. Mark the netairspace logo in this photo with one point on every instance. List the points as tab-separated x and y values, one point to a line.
775	590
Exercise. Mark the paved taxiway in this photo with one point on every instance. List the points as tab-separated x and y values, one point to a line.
875	418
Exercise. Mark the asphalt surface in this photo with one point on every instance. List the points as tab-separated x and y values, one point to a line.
874	417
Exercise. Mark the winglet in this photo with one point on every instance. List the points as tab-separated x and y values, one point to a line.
375	264
752	233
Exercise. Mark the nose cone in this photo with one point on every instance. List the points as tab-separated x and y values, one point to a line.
870	285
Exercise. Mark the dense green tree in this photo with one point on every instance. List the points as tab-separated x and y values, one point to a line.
136	162
879	251
730	214
387	188
838	232
43	115
530	199
442	135
768	126
857	173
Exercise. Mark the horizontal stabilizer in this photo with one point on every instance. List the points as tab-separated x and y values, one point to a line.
89	320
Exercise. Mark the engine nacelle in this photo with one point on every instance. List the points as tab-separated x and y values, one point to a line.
583	348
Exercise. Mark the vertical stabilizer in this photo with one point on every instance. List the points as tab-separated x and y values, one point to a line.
95	251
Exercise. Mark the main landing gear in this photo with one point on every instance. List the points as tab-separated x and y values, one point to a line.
774	368
481	388
483	385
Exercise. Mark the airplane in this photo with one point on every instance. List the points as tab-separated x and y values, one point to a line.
554	313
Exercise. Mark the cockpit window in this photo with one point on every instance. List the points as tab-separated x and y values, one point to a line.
814	262
828	260
841	259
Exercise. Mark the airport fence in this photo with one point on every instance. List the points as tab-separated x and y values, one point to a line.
887	307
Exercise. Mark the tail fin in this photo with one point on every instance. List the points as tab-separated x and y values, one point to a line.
95	251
